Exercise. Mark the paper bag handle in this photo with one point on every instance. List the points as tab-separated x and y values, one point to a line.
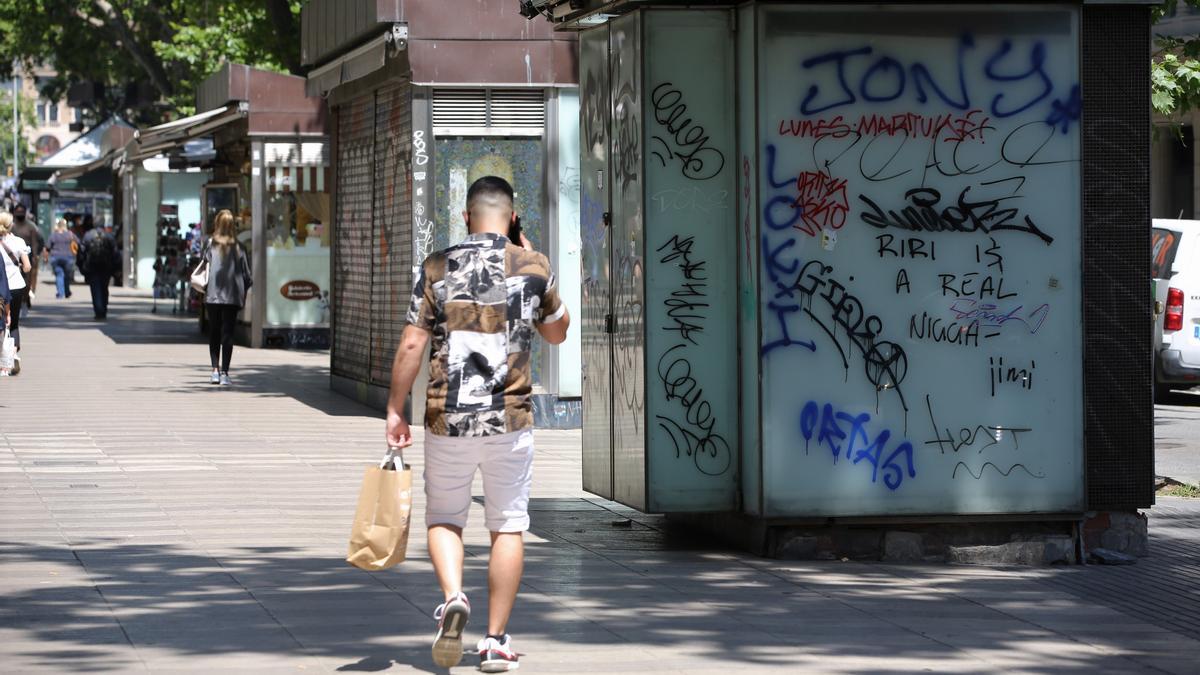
389	458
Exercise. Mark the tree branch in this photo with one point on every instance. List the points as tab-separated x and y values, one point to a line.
153	67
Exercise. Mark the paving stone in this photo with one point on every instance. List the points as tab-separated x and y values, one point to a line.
235	563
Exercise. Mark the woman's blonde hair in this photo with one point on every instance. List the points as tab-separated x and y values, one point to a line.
60	225
224	229
5	223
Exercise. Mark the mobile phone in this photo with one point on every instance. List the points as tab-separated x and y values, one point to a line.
514	231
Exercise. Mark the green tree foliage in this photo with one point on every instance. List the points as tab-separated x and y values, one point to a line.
1175	67
149	55
6	128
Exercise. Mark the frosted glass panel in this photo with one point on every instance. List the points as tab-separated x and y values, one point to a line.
920	247
691	279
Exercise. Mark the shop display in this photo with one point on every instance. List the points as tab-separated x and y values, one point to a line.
175	256
298	245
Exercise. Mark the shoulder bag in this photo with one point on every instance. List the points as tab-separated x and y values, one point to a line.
16	262
199	278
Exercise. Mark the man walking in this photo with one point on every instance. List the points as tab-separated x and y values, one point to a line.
99	256
480	301
25	229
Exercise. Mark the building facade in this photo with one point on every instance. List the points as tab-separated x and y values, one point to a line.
55	122
849	270
424	98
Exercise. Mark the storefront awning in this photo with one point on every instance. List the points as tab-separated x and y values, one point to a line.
359	62
165	136
105	161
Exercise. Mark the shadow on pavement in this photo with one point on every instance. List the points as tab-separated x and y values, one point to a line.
589	586
307	384
129	321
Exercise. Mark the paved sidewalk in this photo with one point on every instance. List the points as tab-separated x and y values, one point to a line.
1177	436
150	521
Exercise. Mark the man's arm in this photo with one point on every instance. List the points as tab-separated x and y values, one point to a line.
404	370
555	333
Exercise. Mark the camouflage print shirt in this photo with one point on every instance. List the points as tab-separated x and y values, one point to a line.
480	300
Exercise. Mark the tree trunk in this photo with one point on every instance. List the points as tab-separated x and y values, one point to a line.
287	31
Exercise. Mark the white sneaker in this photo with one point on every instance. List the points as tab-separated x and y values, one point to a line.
496	656
452	617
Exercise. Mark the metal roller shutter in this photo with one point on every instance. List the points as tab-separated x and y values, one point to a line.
350	354
392	253
1116	257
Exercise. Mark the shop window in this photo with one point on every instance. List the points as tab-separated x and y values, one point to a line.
46	146
297	220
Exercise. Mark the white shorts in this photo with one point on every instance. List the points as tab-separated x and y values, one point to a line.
507	464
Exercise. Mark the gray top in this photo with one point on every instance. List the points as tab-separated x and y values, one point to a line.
60	243
228	275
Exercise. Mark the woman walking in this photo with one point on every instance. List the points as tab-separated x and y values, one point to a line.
228	280
64	246
5	298
14	255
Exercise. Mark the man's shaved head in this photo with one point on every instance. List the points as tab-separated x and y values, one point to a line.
490	193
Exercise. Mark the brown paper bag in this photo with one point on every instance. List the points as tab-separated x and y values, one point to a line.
379	538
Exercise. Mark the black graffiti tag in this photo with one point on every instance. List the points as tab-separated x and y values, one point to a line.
690	141
693	435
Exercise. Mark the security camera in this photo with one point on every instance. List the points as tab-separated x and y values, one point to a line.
532	8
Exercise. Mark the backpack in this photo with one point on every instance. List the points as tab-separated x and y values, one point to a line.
97	255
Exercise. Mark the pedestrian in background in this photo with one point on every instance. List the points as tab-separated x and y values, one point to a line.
480	301
63	249
74	225
98	257
228	280
26	230
5	299
14	255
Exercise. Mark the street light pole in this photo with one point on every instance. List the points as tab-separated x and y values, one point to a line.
16	123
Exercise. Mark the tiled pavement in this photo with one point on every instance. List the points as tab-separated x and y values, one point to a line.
149	521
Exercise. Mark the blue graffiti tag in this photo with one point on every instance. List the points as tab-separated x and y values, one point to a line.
1063	113
886	77
835	428
780	267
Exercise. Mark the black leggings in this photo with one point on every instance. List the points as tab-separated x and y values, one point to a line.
222	319
19	297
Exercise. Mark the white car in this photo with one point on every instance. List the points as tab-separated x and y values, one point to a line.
1175	267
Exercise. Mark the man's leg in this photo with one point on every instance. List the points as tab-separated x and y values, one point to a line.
33	277
505	566
446	552
97	310
449	468
59	266
450	465
507	476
